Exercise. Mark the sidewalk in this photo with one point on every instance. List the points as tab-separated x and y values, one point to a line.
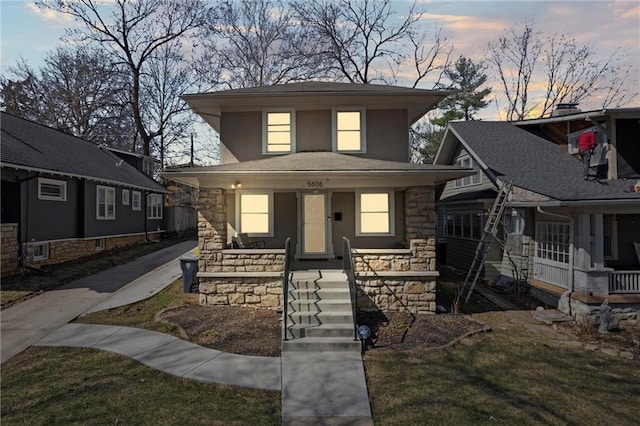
25	323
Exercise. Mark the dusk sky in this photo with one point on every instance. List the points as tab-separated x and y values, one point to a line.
30	33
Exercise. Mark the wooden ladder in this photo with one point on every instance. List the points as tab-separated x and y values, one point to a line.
491	228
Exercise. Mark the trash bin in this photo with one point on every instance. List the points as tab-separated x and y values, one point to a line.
189	266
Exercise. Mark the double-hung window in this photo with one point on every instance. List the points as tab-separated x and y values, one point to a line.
154	206
349	131
52	190
375	213
278	132
105	203
125	197
136	197
469	163
255	213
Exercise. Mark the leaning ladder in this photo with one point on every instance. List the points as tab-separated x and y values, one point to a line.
490	233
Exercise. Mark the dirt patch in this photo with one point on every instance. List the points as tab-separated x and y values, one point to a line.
403	330
232	329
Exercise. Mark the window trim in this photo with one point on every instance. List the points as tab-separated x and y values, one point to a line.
61	183
126	200
391	211
45	254
265	130
363	129
134	195
151	206
546	250
238	202
614	236
462	221
107	189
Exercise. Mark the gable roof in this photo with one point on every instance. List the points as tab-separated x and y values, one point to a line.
314	95
319	164
27	145
506	152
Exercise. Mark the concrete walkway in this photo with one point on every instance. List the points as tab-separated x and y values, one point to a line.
27	322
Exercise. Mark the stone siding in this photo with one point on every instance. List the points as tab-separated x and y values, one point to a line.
366	260
212	228
255	292
391	294
9	253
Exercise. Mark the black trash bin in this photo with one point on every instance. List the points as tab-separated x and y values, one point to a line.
189	266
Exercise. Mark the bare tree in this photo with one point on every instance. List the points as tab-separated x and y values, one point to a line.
76	91
257	43
524	59
364	41
132	34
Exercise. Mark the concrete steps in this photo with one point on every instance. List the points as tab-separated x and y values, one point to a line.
320	316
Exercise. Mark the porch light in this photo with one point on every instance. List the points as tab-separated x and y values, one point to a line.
236	185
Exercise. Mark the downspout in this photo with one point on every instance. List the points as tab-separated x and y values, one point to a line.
571	249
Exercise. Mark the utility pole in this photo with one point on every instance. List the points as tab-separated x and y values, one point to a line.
191	163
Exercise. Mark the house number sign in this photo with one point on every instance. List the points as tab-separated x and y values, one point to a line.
314	184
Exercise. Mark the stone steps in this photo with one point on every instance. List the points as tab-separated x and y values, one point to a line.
320	316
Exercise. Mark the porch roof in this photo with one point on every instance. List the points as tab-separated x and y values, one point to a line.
325	169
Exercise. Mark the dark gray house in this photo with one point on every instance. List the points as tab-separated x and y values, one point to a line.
64	197
562	235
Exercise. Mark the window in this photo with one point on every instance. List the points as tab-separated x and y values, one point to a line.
106	203
610	236
469	163
375	213
125	197
349	131
53	190
41	251
553	242
147	167
154	206
99	244
135	200
464	225
255	213
278	132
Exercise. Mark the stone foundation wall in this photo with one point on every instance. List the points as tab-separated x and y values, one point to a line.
64	251
621	317
255	292
267	260
387	261
390	294
9	249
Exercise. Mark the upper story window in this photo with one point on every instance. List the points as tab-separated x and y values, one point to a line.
375	213
278	133
467	162
51	189
154	206
105	202
147	167
349	130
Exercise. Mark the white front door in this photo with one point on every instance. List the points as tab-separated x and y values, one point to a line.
314	224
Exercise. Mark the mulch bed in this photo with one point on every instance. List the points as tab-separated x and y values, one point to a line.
250	331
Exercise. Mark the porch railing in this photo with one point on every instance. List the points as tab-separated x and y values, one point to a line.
349	269
623	282
553	273
285	286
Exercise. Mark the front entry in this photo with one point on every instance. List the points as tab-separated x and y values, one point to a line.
314	225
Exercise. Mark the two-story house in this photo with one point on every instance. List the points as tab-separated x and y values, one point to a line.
64	197
562	235
317	162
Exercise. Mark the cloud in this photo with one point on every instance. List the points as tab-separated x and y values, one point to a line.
49	14
465	22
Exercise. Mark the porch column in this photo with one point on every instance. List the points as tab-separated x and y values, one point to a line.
583	242
598	242
420	227
212	228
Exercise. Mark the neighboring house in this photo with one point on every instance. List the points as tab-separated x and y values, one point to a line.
561	234
316	162
64	197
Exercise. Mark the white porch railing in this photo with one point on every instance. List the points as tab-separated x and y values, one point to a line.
624	282
551	272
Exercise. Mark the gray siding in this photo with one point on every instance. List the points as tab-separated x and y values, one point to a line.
47	219
388	135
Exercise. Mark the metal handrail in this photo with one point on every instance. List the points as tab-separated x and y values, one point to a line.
349	270
285	285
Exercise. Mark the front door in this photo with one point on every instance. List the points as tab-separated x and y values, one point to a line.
314	224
